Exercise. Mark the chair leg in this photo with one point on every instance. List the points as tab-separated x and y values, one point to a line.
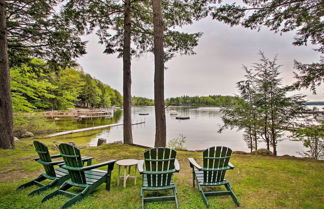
63	187
49	196
72	201
50	185
203	196
31	183
143	203
77	198
38	191
142	196
229	188
193	178
108	181
175	197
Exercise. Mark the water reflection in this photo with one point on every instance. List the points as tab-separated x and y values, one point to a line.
200	132
71	123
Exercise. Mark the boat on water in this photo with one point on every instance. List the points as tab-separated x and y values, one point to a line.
183	117
143	113
173	112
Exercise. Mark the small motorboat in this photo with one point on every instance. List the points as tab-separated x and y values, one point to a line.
143	113
182	117
173	112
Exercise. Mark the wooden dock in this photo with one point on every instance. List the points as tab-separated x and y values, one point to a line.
89	129
79	114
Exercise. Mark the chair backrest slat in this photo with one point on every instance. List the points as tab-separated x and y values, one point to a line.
159	166
215	163
72	158
44	156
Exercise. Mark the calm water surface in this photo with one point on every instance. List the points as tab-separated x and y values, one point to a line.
200	131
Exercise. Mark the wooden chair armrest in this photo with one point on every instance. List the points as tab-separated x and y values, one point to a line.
176	165
231	165
194	164
110	164
140	166
87	159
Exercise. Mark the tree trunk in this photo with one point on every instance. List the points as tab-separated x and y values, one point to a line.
251	140
273	137
255	140
255	135
266	131
160	123
315	155
274	146
127	80
6	118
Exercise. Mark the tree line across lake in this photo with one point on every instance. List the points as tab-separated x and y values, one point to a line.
211	100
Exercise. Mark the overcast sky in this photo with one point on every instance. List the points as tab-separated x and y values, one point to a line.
215	69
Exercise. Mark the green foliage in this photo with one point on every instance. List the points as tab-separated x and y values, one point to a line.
262	152
32	122
309	75
90	96
30	86
69	83
96	94
116	98
36	29
266	111
312	137
35	87
211	100
106	18
142	101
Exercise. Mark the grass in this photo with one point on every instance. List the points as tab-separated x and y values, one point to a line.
258	181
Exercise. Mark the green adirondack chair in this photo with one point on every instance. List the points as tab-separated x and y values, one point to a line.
87	178
56	175
215	164
157	169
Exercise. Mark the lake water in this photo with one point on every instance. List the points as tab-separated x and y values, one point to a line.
200	131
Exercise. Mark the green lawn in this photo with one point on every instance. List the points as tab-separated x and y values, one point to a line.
258	181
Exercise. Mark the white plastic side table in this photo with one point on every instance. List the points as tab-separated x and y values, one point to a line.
127	163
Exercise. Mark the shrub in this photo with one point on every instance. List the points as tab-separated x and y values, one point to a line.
32	122
177	143
262	152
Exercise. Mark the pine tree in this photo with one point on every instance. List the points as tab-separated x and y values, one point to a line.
267	111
